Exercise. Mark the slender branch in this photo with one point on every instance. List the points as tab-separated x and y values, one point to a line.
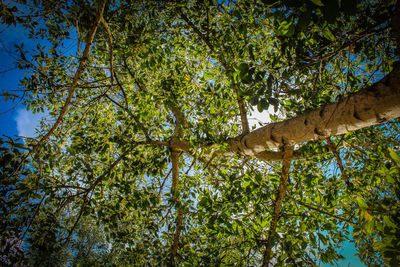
344	46
165	179
135	118
320	211
242	112
123	92
109	169
71	231
242	109
395	26
179	217
288	151
332	147
33	217
110	44
74	83
198	32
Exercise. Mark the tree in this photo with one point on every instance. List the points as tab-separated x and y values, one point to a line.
160	89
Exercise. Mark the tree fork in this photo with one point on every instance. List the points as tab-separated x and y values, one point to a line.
288	151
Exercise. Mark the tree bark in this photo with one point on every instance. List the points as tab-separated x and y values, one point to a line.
375	104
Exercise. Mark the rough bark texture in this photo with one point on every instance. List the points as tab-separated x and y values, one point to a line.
370	106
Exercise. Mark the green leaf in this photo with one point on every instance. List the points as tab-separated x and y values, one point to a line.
394	155
361	203
328	34
243	69
286	28
369	226
317	2
389	221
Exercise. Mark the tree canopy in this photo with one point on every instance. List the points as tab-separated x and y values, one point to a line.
146	155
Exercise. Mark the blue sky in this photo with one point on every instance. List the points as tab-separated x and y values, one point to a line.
14	119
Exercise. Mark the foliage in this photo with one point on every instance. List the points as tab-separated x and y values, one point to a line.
99	189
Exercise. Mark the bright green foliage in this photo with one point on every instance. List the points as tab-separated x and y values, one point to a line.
98	191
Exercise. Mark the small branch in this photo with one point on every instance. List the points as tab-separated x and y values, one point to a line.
395	26
109	169
242	112
198	32
74	83
110	44
135	118
288	151
71	231
175	180
33	217
123	92
204	38
320	211
344	46
332	147
165	179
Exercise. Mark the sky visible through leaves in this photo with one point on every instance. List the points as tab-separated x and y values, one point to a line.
15	120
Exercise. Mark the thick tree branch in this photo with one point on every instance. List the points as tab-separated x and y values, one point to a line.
288	151
180	121
373	105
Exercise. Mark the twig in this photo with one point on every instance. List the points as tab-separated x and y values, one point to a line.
33	217
332	147
242	110
319	210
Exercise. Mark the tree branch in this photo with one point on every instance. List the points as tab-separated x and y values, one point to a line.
332	147
396	26
198	32
179	217
110	44
288	151
242	112
74	83
320	211
373	105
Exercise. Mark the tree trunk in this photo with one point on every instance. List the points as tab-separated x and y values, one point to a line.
373	105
